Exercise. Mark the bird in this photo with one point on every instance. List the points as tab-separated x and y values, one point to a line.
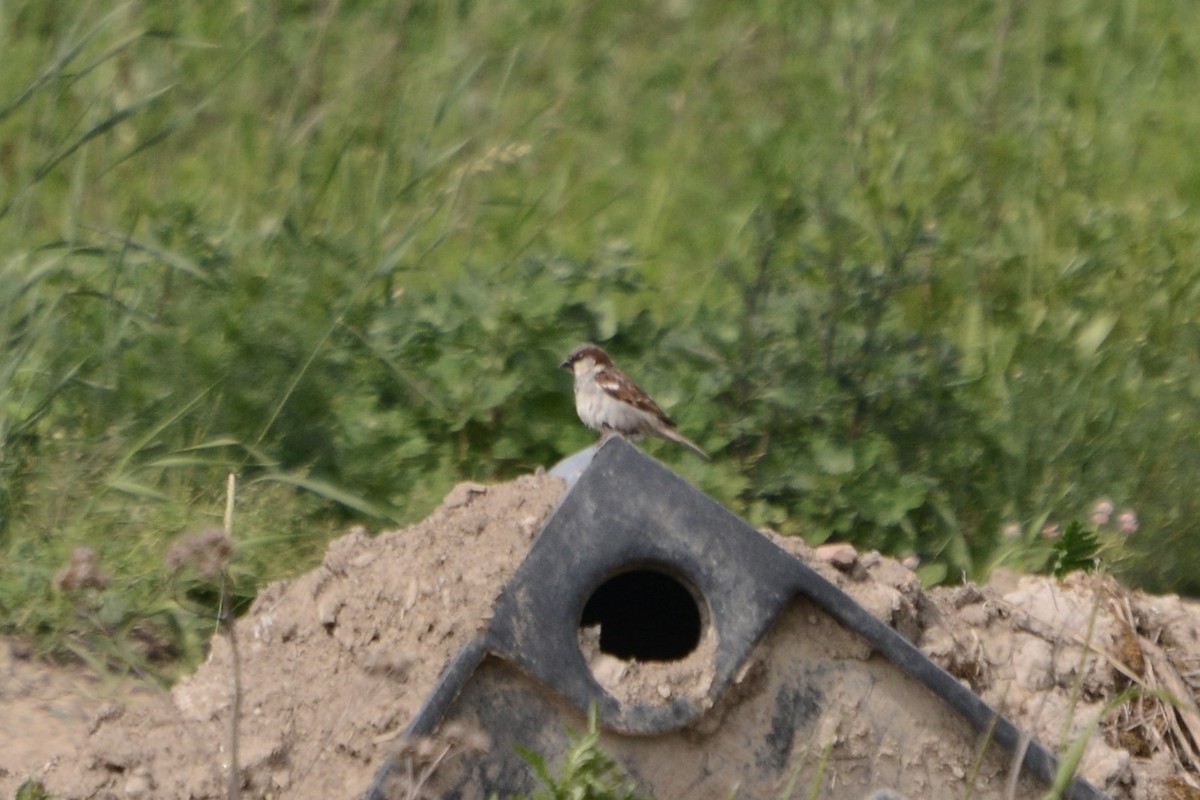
608	401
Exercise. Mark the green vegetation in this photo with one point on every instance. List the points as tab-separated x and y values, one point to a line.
916	275
32	790
1076	551
587	772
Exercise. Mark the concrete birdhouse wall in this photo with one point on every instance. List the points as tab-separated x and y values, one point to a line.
719	665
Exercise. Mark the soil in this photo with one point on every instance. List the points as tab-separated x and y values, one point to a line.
335	662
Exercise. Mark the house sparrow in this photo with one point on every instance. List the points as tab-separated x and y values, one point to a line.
609	402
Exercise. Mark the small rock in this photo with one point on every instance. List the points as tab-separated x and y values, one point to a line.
463	493
390	662
965	595
1033	662
608	670
108	713
840	555
1105	765
328	608
975	615
281	779
139	784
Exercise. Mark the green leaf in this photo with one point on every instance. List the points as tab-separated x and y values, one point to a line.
32	790
832	459
1075	550
972	338
1094	334
135	489
535	760
887	505
329	491
932	574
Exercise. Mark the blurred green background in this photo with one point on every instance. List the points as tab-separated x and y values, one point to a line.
923	276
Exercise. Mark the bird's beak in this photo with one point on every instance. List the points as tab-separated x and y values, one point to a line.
566	364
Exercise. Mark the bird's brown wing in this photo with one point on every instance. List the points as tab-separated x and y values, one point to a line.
622	387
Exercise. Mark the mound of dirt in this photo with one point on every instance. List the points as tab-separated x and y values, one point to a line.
335	662
1082	658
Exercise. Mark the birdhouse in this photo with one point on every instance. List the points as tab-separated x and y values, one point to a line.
719	665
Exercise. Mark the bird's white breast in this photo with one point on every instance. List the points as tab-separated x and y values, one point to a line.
600	411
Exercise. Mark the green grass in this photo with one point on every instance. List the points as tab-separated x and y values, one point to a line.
912	271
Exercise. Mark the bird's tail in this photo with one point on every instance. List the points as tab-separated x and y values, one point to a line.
679	438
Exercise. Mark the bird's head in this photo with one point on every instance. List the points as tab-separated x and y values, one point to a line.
585	357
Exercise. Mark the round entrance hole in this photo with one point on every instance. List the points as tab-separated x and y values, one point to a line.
644	615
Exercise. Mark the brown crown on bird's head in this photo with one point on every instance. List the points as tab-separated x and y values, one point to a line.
586	350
